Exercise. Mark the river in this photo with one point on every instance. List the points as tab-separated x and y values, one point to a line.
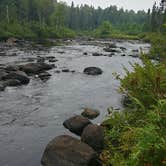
32	115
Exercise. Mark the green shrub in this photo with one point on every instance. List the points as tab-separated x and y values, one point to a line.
146	83
136	138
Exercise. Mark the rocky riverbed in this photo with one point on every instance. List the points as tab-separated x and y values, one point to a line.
31	115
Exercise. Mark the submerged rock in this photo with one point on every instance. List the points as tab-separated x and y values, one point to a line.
68	151
76	124
17	75
93	71
93	135
90	113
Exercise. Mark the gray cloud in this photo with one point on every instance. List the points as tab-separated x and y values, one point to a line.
126	4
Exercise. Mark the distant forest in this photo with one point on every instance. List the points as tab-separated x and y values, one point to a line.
51	18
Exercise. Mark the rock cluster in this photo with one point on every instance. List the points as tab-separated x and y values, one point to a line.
65	150
19	75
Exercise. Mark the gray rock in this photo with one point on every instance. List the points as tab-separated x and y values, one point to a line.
12	82
65	70
123	48
97	54
3	73
93	135
76	124
44	75
11	68
68	151
18	75
111	50
93	71
112	45
53	60
35	68
90	113
2	87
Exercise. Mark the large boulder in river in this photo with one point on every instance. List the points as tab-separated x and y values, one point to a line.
17	75
90	113
35	68
68	151
93	135
76	124
93	71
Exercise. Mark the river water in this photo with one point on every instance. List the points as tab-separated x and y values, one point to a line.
32	115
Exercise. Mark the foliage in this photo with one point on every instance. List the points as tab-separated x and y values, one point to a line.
48	16
158	41
146	83
135	137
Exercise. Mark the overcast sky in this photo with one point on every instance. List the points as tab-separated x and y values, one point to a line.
126	4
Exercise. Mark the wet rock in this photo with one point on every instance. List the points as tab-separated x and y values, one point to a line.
97	54
3	73
57	71
12	82
53	60
61	52
73	71
13	54
11	68
112	45
90	113
2	87
50	57
93	71
76	124
11	41
40	59
17	75
123	55
111	50
135	50
93	135
134	55
68	151
65	70
44	75
123	48
35	68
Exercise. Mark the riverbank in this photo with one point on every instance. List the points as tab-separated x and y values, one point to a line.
136	136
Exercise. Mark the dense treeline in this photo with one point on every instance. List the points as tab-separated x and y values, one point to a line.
48	18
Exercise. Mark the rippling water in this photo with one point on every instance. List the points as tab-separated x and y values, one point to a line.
30	116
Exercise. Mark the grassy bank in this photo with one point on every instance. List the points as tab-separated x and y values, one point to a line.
136	136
